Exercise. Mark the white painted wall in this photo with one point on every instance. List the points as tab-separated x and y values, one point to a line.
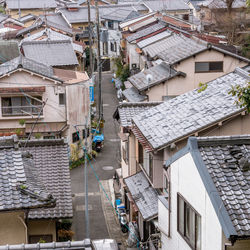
186	180
134	57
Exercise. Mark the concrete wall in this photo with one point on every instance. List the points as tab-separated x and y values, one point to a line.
180	85
77	97
42	227
12	230
186	180
133	56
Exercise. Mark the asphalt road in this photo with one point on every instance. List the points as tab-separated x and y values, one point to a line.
108	157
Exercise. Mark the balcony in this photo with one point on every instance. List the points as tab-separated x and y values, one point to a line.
21	110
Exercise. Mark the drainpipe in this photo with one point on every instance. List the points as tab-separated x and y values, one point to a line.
25	226
227	244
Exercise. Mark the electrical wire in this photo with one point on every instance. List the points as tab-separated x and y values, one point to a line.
103	189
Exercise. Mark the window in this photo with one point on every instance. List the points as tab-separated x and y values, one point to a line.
188	223
21	106
75	137
201	67
105	48
61	99
83	133
110	24
113	46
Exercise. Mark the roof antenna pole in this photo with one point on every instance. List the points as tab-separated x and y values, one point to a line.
90	42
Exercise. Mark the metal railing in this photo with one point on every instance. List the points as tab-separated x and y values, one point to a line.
21	110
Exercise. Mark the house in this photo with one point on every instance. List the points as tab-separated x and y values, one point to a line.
208	174
35	189
49	34
37	99
28	19
55	53
191	61
78	16
54	21
214	15
29	7
161	131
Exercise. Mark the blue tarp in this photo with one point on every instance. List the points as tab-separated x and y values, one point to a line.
98	138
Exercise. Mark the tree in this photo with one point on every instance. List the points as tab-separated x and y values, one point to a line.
243	95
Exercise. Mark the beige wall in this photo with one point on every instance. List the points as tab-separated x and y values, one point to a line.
24	12
180	85
53	112
12	230
42	227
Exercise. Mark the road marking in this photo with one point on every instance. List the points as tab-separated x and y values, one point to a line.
108	168
114	140
82	208
89	194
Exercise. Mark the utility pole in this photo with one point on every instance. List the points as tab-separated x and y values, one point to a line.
90	41
99	65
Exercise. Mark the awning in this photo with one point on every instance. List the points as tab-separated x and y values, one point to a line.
45	127
144	196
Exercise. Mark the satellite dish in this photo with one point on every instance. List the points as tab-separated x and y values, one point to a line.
149	78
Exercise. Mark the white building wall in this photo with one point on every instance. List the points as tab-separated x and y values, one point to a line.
186	180
134	57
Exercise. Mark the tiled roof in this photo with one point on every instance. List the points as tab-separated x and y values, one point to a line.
127	110
21	186
3	17
227	160
28	64
121	14
145	32
146	42
52	53
51	160
159	73
27	18
168	5
145	197
176	22
80	15
132	95
31	4
139	25
183	48
191	112
49	34
221	4
8	50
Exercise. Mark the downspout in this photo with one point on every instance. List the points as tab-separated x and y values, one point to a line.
24	222
227	244
169	201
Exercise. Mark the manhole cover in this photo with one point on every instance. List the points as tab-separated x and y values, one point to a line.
107	168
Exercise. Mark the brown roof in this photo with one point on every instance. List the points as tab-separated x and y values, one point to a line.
175	22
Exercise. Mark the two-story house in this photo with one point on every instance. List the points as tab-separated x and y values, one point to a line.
164	129
184	64
206	205
37	99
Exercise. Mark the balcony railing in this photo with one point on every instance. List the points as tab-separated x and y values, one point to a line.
21	110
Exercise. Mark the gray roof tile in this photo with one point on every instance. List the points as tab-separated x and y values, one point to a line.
51	160
8	50
20	183
158	5
191	112
31	4
28	64
145	197
52	53
127	110
144	32
223	158
160	73
132	95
